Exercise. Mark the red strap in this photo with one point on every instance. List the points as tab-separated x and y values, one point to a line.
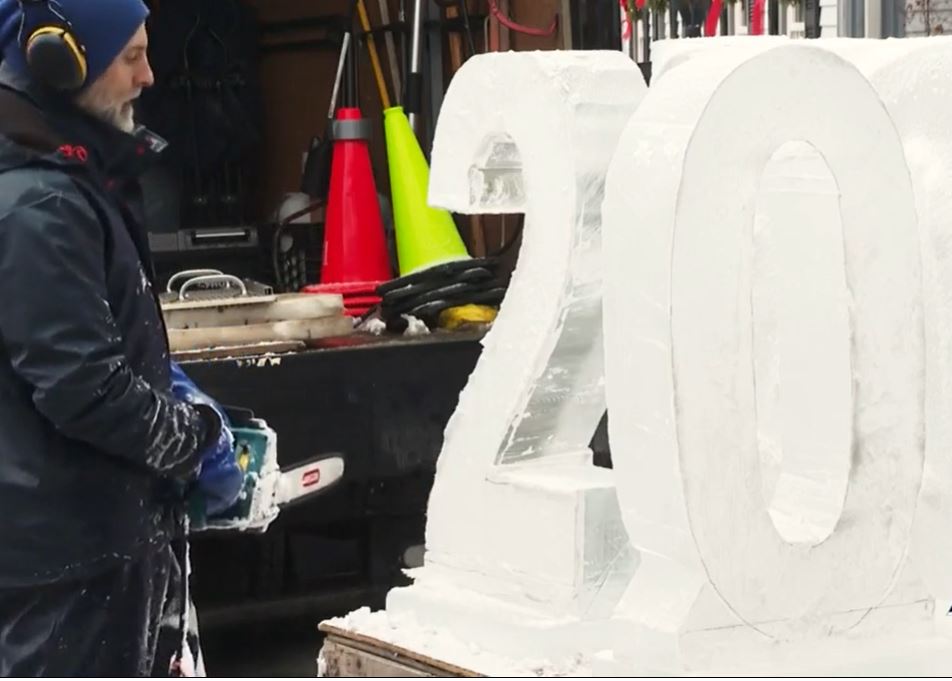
626	8
713	15
757	20
519	28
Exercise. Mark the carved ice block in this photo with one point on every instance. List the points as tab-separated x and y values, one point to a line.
914	79
764	354
518	512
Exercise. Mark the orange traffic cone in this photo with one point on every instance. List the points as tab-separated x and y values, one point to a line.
356	260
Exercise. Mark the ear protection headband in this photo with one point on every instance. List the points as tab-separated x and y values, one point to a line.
53	54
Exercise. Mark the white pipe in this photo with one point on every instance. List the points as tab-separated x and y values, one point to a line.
415	49
874	19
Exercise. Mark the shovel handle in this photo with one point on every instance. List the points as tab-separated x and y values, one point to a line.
374	56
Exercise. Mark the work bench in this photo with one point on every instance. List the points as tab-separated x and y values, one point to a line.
381	402
349	654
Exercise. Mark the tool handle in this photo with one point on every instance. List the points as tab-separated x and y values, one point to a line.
188	274
210	279
340	74
414	103
374	57
391	50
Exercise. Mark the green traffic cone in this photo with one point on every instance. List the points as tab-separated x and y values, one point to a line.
426	236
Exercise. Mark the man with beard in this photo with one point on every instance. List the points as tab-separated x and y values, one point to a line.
102	438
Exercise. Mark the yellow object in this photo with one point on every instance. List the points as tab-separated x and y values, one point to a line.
244	458
75	50
374	57
425	236
455	317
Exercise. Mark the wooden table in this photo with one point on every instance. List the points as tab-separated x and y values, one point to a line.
352	655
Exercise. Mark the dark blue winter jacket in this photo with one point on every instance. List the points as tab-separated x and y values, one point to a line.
94	450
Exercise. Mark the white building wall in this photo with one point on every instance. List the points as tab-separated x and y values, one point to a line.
928	17
828	18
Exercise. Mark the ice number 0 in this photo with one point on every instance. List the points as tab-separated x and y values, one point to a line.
764	343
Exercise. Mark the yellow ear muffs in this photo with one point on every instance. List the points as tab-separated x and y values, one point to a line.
56	58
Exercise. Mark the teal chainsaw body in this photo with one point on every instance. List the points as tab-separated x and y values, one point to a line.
267	488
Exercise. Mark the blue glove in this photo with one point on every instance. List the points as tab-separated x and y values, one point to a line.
220	480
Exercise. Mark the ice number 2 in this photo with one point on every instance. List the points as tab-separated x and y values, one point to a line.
533	134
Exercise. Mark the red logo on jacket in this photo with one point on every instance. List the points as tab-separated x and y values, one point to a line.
74	151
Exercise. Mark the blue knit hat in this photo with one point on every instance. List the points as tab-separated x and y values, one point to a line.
104	27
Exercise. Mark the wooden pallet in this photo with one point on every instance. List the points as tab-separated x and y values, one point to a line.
349	654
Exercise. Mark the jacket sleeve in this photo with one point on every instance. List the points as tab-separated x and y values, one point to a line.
57	327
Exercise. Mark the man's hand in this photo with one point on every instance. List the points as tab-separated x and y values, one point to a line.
220	480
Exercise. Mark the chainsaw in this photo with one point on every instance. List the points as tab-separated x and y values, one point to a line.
267	487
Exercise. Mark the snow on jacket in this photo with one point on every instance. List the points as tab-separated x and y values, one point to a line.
94	450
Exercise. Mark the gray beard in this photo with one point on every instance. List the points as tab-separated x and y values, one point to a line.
114	117
92	103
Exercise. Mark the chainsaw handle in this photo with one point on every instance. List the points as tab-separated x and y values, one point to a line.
240	417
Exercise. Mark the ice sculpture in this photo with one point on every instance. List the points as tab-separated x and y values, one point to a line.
518	512
766	352
777	364
914	79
